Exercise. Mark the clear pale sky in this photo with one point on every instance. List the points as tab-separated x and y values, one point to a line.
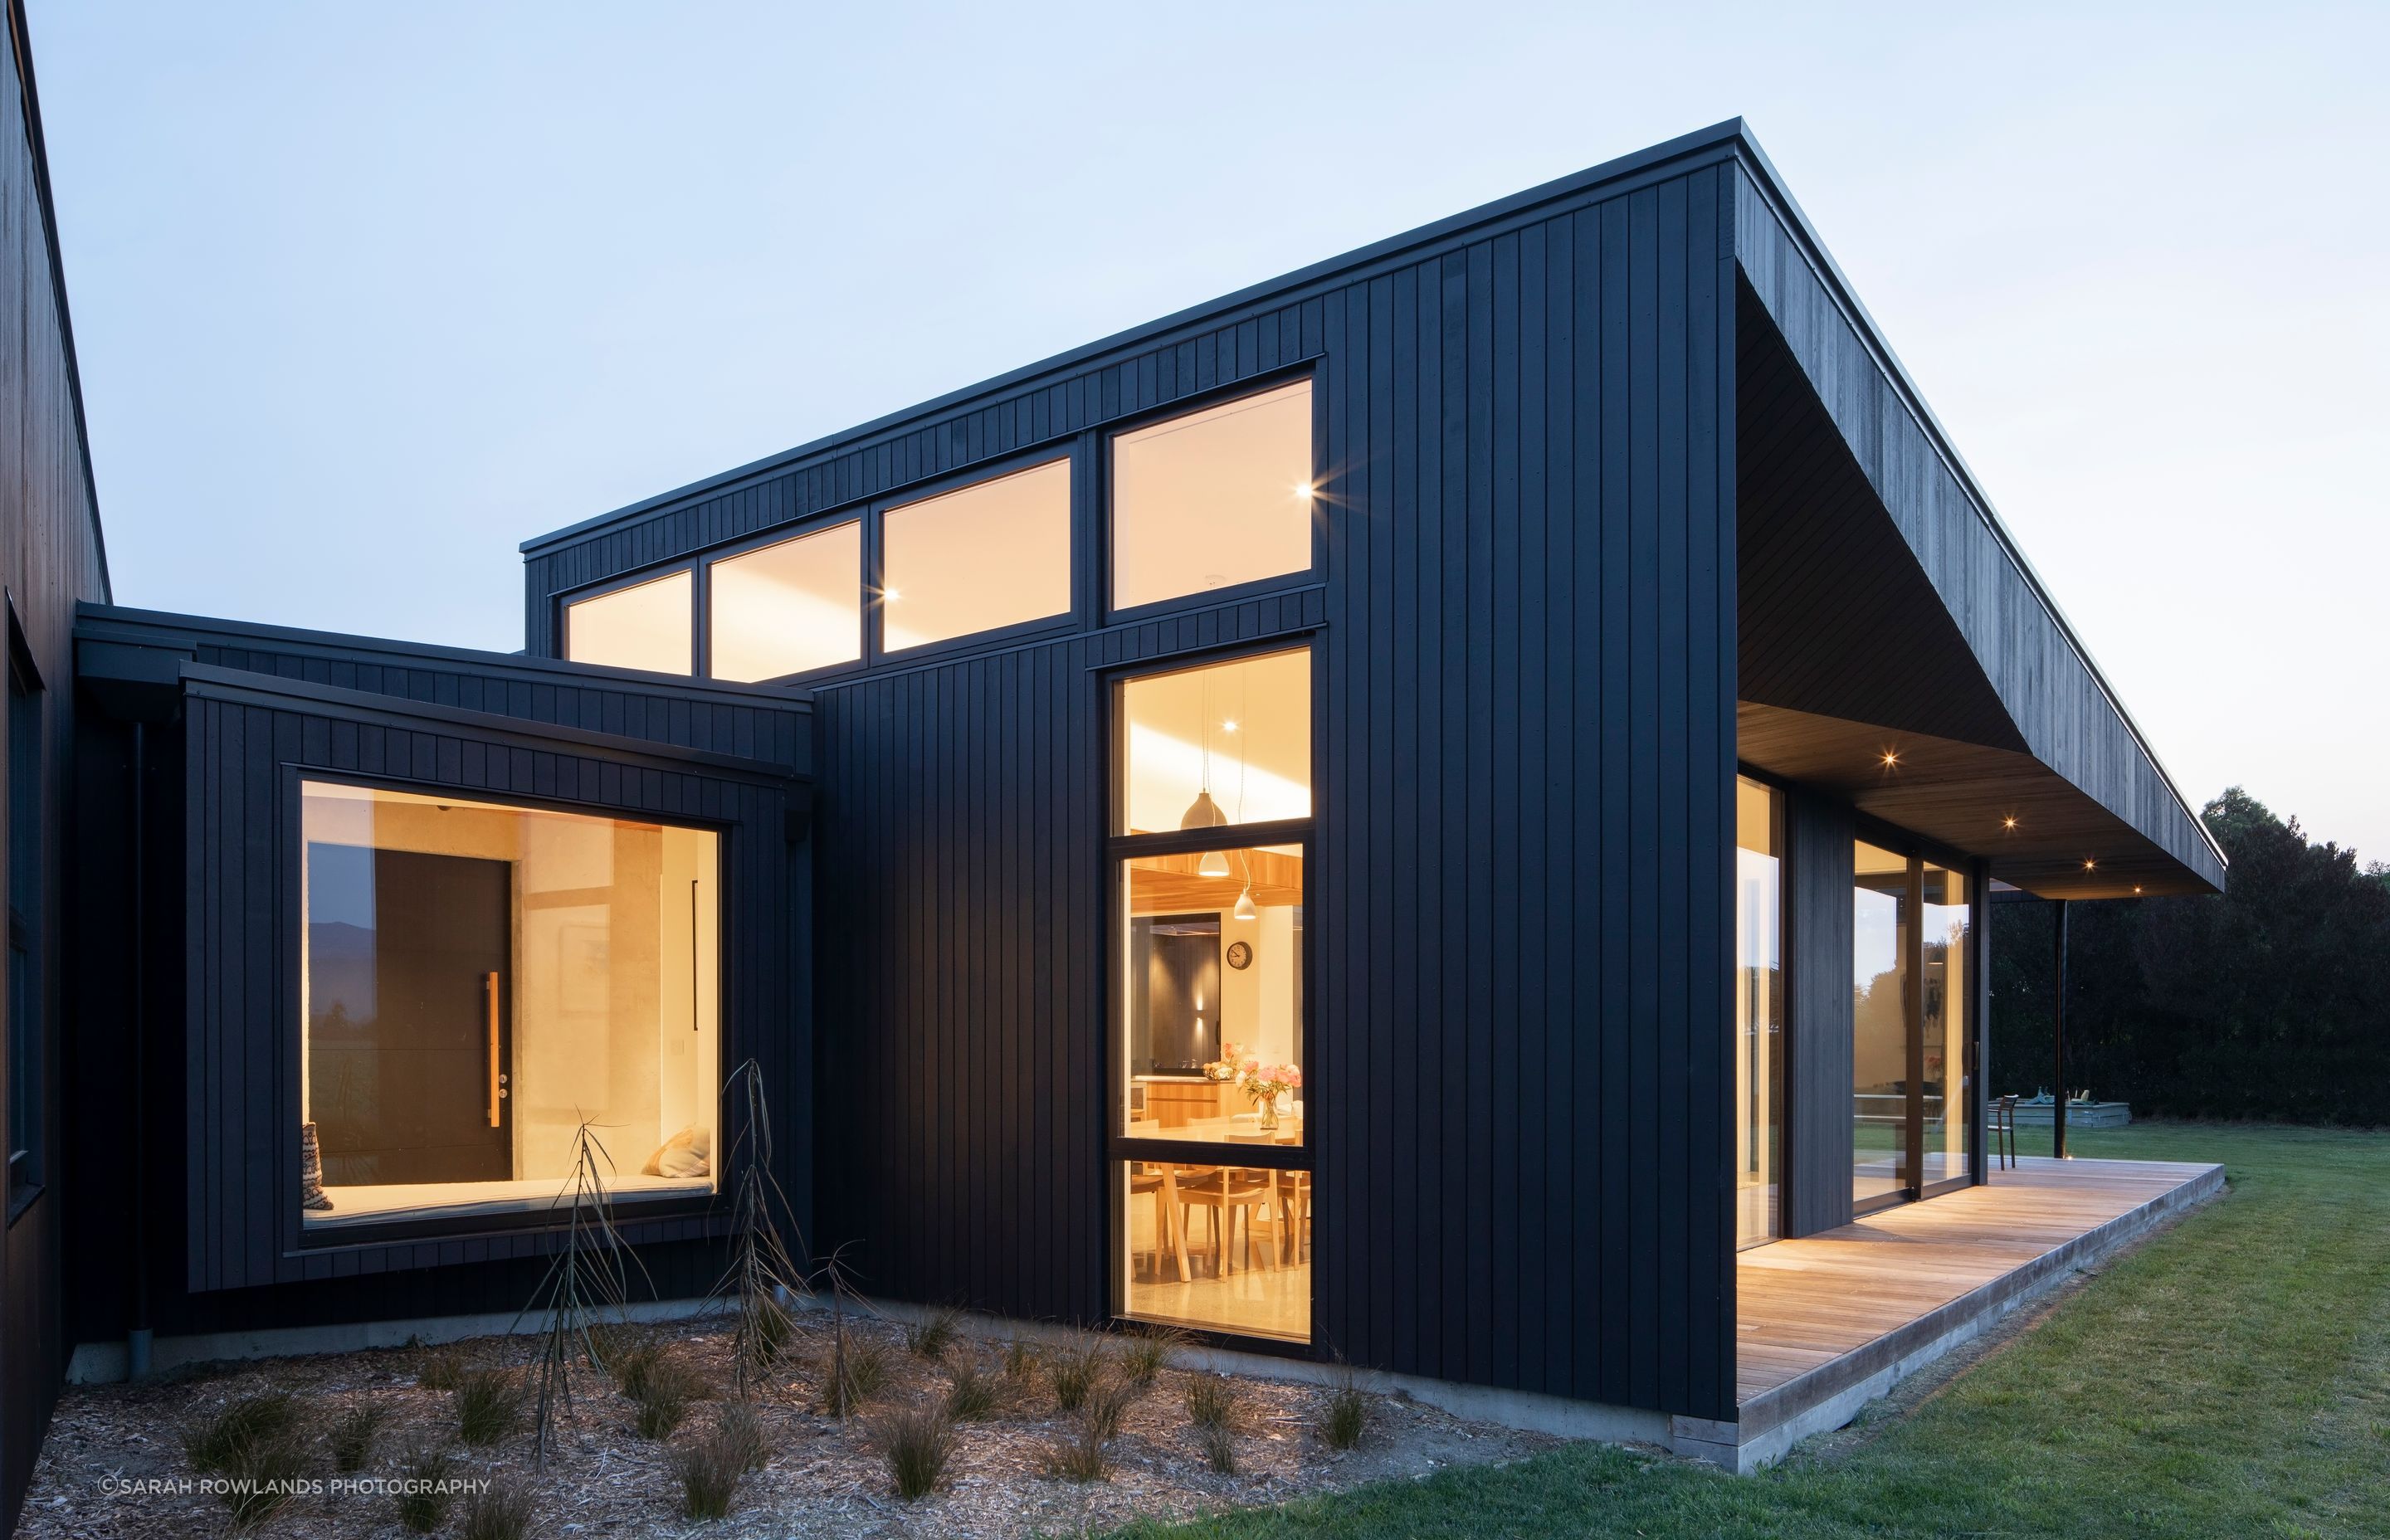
365	295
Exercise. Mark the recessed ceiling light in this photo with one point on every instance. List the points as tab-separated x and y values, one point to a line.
1891	759
2088	865
2009	822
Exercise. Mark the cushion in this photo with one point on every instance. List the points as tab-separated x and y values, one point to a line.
687	1153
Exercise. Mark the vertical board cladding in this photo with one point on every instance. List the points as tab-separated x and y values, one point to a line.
241	746
2056	701
50	556
1524	792
1819	866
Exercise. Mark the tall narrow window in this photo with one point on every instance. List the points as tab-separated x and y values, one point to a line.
1758	1010
1883	912
1213	498
786	609
992	554
1944	918
645	626
1211	1094
476	981
26	1058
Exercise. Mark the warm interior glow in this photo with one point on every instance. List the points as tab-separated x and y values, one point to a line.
1943	922
644	626
1758	1010
790	608
992	554
1199	501
1257	774
601	934
1881	913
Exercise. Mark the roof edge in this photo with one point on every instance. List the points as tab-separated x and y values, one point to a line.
1721	135
1830	274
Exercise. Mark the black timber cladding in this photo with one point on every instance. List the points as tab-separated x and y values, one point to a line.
1524	785
256	707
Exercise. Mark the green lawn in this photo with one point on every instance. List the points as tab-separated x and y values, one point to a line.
2230	1378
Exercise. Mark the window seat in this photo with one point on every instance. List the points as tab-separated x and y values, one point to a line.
367	1205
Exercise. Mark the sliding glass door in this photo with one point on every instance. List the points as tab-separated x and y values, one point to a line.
1758	1010
1912	1051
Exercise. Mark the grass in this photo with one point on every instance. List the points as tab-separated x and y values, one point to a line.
421	1501
666	1386
497	1512
351	1436
711	1468
224	1442
1146	1351
972	1393
931	1335
867	1374
1210	1400
916	1444
489	1404
1073	1371
2231	1378
1346	1415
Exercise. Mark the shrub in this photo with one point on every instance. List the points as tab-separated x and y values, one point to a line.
1073	1371
1219	1445
1020	1358
971	1395
239	1430
933	1334
1148	1351
711	1467
1108	1401
497	1512
1078	1455
1346	1417
917	1445
422	1498
351	1436
488	1402
865	1375
666	1390
442	1370
1210	1400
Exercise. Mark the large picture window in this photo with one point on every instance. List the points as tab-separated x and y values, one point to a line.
478	980
1211	1096
1213	498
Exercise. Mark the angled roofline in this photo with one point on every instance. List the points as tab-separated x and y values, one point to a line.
1822	261
1718	137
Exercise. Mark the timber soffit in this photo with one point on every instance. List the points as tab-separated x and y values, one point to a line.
1780	198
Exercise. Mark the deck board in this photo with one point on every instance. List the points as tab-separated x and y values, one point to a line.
1802	1304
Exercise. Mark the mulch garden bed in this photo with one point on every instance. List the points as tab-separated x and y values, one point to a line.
116	1462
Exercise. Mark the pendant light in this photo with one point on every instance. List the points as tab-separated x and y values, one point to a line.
1245	909
1214	864
1203	813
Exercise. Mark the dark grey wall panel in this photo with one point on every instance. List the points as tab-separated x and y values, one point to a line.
51	556
241	743
1524	785
1818	836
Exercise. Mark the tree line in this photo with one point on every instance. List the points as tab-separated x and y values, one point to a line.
2268	1001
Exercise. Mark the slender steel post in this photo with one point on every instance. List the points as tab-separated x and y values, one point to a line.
2057	1043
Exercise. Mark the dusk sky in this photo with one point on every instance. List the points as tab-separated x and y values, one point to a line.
364	296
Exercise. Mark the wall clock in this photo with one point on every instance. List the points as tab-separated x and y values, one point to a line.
1240	955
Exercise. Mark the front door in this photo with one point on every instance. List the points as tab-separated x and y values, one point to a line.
409	972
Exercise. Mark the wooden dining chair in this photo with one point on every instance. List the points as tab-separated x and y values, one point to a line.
2004	1130
1229	1193
1169	1214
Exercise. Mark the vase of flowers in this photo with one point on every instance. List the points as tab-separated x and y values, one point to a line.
1265	1084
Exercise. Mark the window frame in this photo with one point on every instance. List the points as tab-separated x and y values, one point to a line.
291	919
780	534
1106	540
1918	851
1119	1150
622	583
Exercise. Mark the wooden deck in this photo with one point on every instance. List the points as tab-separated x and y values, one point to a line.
1828	1321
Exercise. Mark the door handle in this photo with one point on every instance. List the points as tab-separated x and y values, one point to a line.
490	985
